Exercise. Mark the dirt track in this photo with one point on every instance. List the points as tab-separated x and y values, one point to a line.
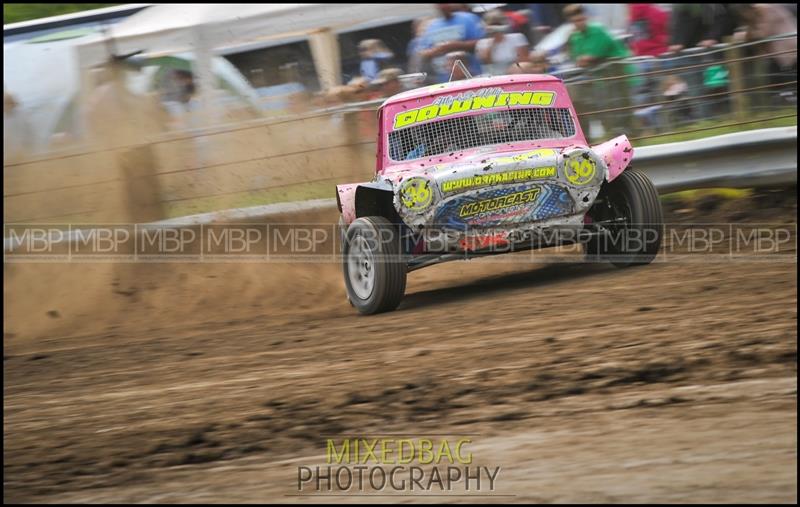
212	382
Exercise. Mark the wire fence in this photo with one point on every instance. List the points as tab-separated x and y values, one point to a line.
648	97
658	92
724	87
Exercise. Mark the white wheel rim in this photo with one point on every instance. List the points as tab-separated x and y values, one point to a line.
361	268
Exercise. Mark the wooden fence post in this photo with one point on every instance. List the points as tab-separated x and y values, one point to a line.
738	82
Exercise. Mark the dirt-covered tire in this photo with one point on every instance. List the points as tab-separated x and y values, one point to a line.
637	239
341	229
374	267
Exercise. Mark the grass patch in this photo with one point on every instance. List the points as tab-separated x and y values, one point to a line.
724	193
297	192
13	13
717	127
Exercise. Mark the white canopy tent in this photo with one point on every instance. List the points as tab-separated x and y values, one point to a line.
210	28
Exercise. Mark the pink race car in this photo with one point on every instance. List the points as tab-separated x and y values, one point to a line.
487	166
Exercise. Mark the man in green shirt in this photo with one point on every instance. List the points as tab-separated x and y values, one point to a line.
589	45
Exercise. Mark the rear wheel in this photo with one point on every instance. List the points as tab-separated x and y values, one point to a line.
374	268
629	212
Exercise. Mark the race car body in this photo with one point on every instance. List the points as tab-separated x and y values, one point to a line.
473	164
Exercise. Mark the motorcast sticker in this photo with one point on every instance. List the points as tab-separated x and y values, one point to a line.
483	180
446	106
416	194
498	203
551	200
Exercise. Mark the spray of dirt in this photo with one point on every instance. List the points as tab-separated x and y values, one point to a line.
131	175
44	300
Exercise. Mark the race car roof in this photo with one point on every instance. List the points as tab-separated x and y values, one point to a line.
468	84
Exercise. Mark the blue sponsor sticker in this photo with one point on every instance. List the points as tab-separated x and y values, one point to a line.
503	206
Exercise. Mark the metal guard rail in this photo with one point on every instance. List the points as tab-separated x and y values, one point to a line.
753	158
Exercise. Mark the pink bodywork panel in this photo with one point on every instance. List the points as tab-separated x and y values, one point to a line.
426	96
616	153
346	196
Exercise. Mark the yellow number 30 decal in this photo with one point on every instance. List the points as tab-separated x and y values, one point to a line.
416	194
579	170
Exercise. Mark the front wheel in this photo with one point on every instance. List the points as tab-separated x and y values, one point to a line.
374	268
629	211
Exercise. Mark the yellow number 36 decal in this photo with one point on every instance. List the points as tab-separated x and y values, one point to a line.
416	194
579	170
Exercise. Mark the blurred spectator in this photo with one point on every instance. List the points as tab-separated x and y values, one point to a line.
360	89
544	19
613	17
453	31
675	89
339	95
416	63
716	80
791	8
702	25
387	83
374	57
179	97
724	22
519	22
649	25
539	62
523	67
590	43
501	49
178	91
769	20
687	26
649	29
536	63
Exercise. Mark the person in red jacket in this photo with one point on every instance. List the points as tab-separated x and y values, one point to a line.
649	25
